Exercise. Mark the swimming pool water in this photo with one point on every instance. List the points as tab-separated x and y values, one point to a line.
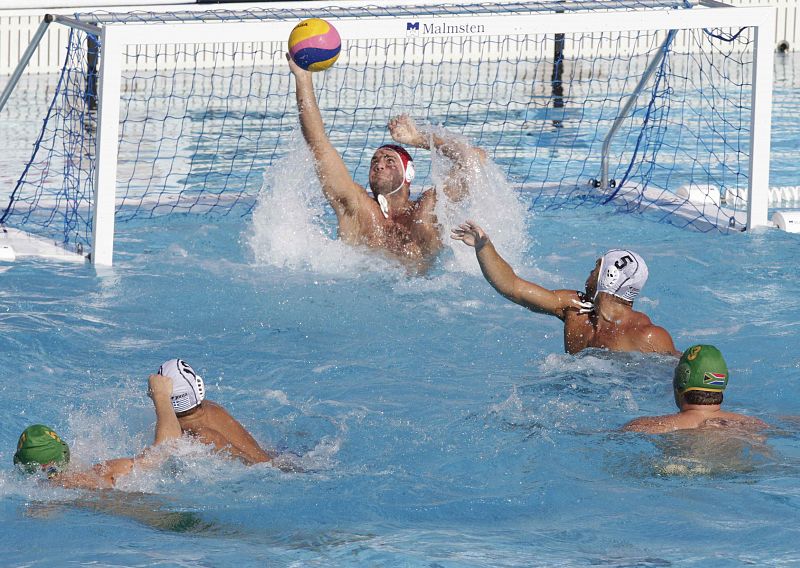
438	424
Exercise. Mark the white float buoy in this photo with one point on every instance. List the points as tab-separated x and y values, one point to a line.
7	253
788	221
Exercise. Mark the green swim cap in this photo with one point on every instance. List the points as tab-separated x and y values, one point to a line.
39	445
701	368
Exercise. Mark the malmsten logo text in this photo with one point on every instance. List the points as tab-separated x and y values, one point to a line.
444	28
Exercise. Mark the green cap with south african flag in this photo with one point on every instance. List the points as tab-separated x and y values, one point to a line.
39	446
701	368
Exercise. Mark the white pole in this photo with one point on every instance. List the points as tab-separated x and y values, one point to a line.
105	185
758	190
25	59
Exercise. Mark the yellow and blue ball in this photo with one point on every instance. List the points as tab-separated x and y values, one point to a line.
314	44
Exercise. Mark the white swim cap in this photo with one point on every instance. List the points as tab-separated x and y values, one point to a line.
188	390
623	273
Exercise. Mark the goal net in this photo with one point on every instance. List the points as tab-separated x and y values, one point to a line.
652	106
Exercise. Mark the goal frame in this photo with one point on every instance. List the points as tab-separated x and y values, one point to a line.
116	36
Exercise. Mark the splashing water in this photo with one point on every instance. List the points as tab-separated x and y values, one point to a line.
293	226
289	227
491	203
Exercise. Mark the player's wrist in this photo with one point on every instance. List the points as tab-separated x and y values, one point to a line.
422	140
162	402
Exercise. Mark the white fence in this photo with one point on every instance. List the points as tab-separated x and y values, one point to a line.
17	26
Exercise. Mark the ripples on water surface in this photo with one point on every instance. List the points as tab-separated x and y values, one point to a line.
437	423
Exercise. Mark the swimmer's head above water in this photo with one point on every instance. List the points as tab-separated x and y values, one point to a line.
188	389
700	378
40	449
403	160
619	272
391	169
701	369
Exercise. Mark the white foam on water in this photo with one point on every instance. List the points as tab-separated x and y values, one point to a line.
491	203
322	456
512	404
178	456
557	363
277	395
94	437
289	229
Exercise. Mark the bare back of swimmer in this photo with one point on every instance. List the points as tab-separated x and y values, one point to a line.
211	424
206	420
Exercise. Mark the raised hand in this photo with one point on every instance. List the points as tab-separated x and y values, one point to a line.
296	70
404	131
159	387
470	234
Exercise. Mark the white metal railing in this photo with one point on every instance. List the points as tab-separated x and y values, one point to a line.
787	24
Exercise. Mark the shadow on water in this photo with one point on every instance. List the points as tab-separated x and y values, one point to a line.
153	511
165	515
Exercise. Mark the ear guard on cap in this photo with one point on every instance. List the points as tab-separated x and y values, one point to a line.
410	172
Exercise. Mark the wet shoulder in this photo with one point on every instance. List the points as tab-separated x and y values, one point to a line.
650	337
653	424
641	321
425	203
571	302
736	421
362	215
213	409
209	416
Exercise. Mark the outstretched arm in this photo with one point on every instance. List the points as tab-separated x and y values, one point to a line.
337	184
503	278
465	158
106	474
